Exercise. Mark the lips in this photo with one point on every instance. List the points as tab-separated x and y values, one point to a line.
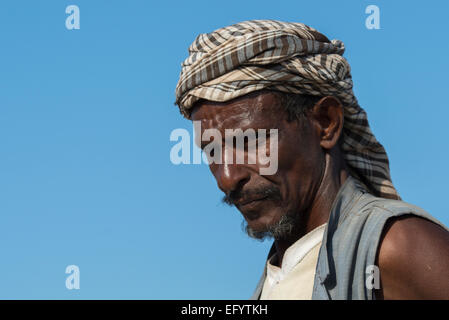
246	202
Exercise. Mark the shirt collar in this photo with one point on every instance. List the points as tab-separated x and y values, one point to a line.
297	251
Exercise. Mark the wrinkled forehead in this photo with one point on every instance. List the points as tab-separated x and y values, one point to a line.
256	110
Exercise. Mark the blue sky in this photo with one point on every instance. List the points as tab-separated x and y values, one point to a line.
85	120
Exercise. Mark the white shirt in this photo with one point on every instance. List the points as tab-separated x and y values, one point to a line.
294	280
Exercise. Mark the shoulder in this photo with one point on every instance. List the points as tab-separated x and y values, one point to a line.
413	258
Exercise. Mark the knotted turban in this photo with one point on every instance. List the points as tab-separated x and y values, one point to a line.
287	57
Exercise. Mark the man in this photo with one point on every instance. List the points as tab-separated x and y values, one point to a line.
335	216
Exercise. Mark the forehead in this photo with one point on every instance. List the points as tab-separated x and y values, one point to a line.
256	110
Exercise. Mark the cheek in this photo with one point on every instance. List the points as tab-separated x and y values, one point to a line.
300	162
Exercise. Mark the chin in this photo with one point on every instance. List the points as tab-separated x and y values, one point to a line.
280	226
262	221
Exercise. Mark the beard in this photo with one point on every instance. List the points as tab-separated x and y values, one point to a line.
285	228
281	230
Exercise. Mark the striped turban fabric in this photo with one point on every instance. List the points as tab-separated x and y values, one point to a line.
287	57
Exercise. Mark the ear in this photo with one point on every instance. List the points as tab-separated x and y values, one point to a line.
328	117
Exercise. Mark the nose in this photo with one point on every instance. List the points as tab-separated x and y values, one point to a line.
231	177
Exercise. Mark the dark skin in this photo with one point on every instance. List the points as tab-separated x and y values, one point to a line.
413	255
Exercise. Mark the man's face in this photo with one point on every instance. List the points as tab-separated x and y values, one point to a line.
267	200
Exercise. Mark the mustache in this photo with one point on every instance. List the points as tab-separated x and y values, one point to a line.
269	192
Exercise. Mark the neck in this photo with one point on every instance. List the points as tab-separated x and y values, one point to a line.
334	175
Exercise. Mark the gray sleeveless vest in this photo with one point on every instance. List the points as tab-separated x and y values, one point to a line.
350	242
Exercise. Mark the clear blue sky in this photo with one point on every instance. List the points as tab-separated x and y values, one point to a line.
85	120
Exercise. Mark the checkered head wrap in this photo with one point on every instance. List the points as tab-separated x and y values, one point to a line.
288	57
